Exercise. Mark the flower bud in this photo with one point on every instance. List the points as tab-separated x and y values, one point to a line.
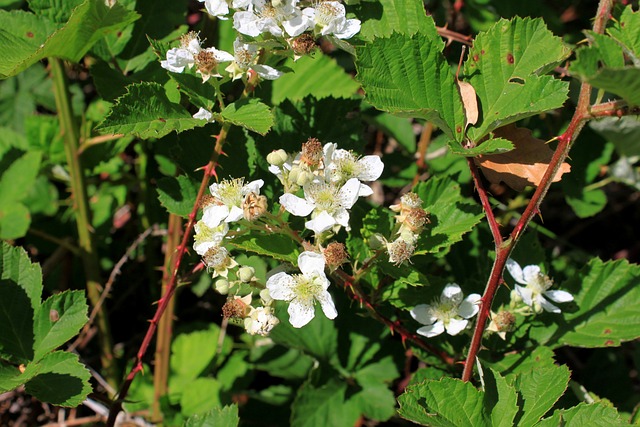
246	274
304	177
221	286
376	241
277	157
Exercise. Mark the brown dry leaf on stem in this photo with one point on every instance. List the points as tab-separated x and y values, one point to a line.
469	101
524	165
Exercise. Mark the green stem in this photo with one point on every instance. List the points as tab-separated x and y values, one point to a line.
86	242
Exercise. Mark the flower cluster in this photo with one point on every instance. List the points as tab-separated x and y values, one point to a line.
536	288
331	180
450	312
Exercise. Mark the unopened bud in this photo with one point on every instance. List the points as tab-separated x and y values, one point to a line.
221	286
304	177
246	274
277	157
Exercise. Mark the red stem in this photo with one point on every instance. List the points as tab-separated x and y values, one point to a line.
504	249
209	171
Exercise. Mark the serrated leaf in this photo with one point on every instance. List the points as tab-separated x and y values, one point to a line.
57	320
277	246
592	415
87	24
16	266
491	146
626	31
319	76
506	66
539	389
146	112
61	380
501	399
401	16
249	113
624	82
227	416
606	295
16	316
200	94
178	194
409	76
57	11
451	215
448	402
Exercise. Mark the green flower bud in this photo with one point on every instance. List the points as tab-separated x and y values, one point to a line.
246	274
222	286
277	157
304	177
376	241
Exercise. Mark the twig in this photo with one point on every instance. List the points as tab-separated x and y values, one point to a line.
503	251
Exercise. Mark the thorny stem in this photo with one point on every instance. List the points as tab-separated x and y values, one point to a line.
86	241
504	249
209	171
350	284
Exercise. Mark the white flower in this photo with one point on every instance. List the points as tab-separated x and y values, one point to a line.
217	8
329	18
260	321
328	203
207	237
229	197
536	288
204	114
303	290
271	17
344	165
449	312
190	53
217	258
246	58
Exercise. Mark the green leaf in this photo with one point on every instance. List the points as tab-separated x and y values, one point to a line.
277	246
249	113
202	95
606	295
203	394
539	389
448	402
451	215
18	172
506	67
409	77
399	128
27	39
14	221
16	316
16	266
57	11
592	415
501	399
146	112
61	380
318	75
323	405
626	31
401	16
178	195
226	416
58	319
490	146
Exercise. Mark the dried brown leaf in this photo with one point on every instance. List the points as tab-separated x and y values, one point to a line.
469	101
524	165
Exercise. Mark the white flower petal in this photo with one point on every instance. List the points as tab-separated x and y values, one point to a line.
469	307
321	222
204	114
432	330
515	271
422	313
547	306
311	263
328	307
213	215
365	190
252	187
217	8
266	72
221	55
452	292
246	23
349	29
297	25
530	273
372	168
348	194
526	294
455	326
295	205
177	60
201	248
235	214
558	296
300	313
280	286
